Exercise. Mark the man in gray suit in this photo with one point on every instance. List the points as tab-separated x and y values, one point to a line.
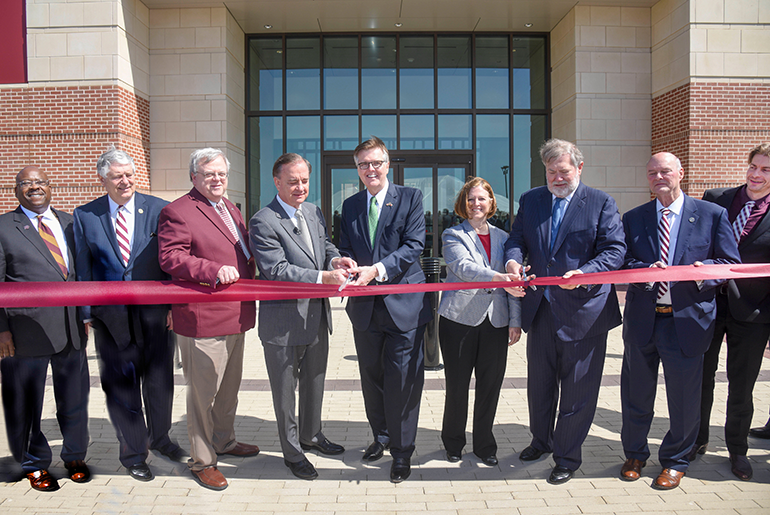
290	243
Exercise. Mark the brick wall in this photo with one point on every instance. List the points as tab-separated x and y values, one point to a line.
64	130
711	127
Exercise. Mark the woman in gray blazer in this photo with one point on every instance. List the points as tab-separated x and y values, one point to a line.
476	326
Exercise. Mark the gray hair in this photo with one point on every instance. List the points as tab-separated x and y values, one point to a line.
111	157
205	155
555	148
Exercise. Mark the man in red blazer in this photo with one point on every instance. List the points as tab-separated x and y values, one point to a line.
202	238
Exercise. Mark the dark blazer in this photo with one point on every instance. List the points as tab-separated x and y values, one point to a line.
24	257
194	243
590	239
704	235
398	245
98	259
282	255
749	299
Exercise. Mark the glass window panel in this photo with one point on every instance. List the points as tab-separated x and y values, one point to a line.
303	76
454	72
450	180
345	183
528	55
265	146
381	125
341	73
266	74
528	170
455	131
303	136
416	72
341	132
422	179
378	72
493	144
417	132
492	72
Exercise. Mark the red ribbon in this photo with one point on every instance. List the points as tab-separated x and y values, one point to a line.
93	293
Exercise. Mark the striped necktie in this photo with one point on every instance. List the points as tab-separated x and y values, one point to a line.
741	219
664	236
121	232
50	242
231	227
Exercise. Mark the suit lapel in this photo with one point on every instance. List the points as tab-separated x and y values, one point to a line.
290	229
475	241
497	238
312	227
577	203
25	227
650	218
141	231
687	223
386	215
544	218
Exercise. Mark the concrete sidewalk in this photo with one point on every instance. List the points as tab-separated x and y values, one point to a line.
346	485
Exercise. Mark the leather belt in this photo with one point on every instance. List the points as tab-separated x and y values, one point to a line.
664	308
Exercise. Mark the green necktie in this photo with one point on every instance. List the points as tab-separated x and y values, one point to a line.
372	220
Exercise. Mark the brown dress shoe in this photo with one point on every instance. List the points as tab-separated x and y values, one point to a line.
632	469
668	479
210	478
42	481
78	471
243	450
741	467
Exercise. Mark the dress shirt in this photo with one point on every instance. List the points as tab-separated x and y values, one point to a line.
129	214
675	219
759	211
290	211
382	274
50	220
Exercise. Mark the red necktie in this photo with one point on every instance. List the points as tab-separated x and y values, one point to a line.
121	231
664	235
50	242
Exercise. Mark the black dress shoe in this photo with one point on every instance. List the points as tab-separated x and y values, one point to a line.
174	453
490	461
400	470
560	475
324	447
453	457
761	432
531	454
740	466
697	449
374	451
302	469
140	472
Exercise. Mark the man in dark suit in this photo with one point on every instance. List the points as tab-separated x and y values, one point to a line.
202	238
743	313
669	323
562	229
383	230
115	237
290	243
36	244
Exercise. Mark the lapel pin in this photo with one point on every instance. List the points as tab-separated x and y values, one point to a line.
141	211
26	227
692	219
389	204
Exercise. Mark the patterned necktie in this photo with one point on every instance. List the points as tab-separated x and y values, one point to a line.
557	213
373	217
231	227
664	236
50	242
741	219
304	232
121	231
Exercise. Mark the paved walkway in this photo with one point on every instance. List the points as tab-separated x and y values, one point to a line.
346	485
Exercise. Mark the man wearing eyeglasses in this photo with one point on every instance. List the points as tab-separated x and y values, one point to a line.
383	230
203	239
36	244
115	237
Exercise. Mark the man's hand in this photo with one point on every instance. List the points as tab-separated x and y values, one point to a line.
516	291
659	264
6	344
338	276
514	335
228	274
344	263
169	321
365	275
567	276
512	267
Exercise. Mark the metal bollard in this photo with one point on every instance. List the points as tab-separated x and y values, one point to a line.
432	268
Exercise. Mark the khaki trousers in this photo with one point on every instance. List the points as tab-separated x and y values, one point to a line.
212	369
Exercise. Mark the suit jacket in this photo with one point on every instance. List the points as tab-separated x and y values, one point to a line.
704	235
467	261
749	299
398	244
590	238
194	243
98	258
282	255
24	257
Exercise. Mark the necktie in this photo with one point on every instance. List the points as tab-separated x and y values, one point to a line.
304	232
50	242
741	219
557	213
372	220
664	235
121	231
231	227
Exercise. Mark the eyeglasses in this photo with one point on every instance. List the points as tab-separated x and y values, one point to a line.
210	175
363	165
27	184
119	178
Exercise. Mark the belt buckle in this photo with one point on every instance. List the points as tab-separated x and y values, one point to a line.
664	309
